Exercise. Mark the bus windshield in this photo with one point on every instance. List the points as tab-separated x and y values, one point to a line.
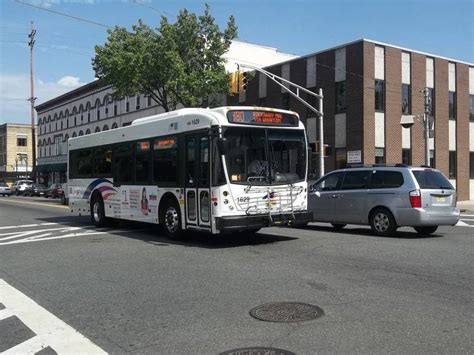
261	156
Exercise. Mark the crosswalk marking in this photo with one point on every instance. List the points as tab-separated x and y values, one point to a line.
5	313
50	330
464	224
18	234
30	346
29	225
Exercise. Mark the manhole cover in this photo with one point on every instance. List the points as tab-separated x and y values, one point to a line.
257	351
286	312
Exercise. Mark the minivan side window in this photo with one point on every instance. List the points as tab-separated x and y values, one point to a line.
356	180
382	179
330	183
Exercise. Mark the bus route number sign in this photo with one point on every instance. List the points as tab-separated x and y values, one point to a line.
266	118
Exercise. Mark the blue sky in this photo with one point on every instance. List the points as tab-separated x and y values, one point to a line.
64	46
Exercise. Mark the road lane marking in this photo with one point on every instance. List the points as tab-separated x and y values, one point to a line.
30	346
35	203
5	313
464	224
29	225
49	329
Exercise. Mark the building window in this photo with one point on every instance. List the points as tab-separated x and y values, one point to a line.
341	97
471	165
285	101
148	101
106	110
88	117
452	164
127	106
379	96
431	106
406	156
471	108
406	99
379	155
341	158
21	141
115	110
452	105
56	126
61	124
98	114
138	103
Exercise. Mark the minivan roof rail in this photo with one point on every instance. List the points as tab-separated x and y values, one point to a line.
349	166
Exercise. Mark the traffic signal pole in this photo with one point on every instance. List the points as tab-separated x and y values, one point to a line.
281	81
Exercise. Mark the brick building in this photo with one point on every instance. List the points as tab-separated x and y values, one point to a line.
15	151
368	86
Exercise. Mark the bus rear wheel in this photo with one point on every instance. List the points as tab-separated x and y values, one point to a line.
171	219
98	212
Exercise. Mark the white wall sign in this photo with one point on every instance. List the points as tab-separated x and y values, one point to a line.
354	156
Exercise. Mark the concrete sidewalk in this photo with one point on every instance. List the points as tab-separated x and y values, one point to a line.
466	206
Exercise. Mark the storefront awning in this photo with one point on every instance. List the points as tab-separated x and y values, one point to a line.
49	168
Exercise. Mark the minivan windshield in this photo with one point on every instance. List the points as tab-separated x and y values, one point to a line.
432	179
261	156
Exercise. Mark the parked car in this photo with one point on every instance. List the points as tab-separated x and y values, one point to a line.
54	191
5	189
385	197
35	190
20	186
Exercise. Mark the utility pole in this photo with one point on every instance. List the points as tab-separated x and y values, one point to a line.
32	99
426	123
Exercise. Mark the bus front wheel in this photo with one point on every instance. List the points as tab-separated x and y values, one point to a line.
98	212
171	219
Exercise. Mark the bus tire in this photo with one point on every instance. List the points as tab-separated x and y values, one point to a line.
63	199
171	219
98	212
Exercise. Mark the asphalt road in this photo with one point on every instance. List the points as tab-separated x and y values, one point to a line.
131	290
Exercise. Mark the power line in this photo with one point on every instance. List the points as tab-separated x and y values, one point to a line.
136	2
64	14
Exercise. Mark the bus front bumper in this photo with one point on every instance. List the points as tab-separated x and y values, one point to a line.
240	223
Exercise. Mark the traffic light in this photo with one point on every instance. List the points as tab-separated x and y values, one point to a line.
242	81
234	82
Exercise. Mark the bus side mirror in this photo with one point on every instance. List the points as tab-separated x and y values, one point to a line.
223	145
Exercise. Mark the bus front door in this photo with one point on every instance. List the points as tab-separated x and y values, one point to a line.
198	206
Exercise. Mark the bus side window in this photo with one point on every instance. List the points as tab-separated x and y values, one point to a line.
123	164
165	161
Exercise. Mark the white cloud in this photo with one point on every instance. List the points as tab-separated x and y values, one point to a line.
69	81
15	91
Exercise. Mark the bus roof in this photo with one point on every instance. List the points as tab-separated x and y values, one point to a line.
173	122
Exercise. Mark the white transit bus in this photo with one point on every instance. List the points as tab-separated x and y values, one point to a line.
215	170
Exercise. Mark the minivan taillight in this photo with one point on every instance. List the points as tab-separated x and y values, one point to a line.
415	198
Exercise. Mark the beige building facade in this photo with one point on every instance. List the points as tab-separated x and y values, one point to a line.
16	152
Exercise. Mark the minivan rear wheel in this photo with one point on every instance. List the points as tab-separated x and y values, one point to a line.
426	230
382	222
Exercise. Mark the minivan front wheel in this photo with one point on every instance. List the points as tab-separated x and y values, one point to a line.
426	230
382	222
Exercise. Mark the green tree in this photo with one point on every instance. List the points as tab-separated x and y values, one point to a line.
177	63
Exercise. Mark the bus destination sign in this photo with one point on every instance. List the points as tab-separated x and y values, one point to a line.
265	118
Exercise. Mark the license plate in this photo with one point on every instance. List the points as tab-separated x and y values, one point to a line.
440	199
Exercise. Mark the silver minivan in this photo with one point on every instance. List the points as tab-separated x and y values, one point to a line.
385	197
